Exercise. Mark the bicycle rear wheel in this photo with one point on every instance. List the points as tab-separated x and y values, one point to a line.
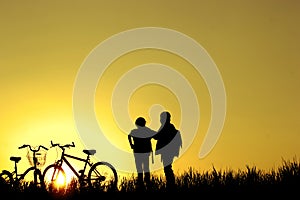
6	180
54	178
103	176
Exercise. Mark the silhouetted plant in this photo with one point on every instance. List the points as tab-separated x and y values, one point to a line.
285	179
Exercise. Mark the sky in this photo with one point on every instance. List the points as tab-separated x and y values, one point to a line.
254	46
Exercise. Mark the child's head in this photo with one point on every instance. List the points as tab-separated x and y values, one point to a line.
140	121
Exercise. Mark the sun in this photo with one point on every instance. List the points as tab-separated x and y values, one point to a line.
63	178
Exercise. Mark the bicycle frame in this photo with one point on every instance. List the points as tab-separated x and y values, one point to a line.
64	159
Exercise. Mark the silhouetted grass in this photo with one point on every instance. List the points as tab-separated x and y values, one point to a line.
250	181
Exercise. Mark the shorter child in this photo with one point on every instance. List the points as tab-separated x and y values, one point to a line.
140	141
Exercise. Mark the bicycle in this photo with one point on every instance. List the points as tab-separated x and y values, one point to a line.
101	175
14	180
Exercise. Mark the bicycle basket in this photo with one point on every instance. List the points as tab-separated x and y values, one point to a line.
40	156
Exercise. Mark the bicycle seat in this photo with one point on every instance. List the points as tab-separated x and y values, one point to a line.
89	152
16	159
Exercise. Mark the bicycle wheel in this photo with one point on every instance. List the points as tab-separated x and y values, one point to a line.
6	180
103	176
54	178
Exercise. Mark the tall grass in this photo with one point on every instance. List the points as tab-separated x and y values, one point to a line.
285	179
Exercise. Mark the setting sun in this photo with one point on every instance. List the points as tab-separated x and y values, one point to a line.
62	179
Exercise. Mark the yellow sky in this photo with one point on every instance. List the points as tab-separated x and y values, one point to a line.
255	45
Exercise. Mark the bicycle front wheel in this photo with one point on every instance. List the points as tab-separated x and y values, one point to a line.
54	178
33	177
103	176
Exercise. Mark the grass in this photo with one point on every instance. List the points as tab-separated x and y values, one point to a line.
251	181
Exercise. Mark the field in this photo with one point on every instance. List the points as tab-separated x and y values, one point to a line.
251	182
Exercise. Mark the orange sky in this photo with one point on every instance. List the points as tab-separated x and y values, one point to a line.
254	44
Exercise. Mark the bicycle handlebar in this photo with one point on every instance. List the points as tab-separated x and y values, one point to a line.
31	149
62	146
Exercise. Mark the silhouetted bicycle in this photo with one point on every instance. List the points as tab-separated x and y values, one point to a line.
101	175
37	158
